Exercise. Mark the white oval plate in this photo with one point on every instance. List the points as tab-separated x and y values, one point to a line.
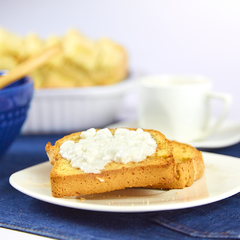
220	180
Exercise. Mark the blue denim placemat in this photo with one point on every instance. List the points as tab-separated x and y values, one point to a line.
217	220
23	213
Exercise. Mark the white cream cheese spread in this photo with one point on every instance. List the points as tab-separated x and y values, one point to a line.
96	149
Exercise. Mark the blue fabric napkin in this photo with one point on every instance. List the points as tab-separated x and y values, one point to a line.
21	212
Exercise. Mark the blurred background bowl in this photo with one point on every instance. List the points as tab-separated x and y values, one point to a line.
75	109
15	100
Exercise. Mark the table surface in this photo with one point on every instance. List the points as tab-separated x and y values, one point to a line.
32	147
11	234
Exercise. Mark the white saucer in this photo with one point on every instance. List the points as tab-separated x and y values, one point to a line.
227	135
220	180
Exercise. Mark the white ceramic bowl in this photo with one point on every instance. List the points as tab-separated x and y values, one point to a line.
76	109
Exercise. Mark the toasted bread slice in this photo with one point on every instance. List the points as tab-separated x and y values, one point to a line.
189	166
158	168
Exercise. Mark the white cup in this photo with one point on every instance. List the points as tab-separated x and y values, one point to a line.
180	106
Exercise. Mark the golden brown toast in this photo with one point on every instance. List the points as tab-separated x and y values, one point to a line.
158	168
189	166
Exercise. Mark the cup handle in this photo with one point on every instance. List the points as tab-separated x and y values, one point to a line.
227	101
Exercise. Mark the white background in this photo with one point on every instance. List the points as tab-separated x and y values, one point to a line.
171	36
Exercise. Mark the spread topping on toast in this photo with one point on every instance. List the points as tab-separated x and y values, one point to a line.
96	149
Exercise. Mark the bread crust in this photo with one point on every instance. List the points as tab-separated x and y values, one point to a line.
158	168
189	166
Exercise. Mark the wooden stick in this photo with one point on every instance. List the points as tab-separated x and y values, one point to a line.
28	66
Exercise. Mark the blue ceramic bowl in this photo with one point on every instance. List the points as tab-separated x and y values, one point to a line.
14	104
